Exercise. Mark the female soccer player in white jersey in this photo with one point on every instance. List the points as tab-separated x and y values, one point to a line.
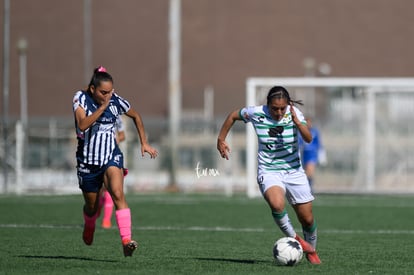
99	160
279	174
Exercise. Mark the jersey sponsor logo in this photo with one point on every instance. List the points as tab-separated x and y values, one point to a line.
106	119
274	132
114	110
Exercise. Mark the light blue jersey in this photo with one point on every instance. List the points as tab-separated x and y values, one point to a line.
278	148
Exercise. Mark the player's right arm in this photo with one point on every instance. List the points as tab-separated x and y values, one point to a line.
82	120
222	145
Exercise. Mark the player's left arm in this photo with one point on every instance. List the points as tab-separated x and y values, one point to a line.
145	147
302	126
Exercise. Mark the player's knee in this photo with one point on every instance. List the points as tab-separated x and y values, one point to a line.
277	206
306	221
90	209
118	196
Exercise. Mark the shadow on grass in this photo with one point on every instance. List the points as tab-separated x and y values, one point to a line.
240	261
66	258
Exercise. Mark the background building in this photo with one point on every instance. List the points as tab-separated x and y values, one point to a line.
222	44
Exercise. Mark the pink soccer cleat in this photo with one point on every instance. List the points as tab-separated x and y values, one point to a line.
306	247
313	258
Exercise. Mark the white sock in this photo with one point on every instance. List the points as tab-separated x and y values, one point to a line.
283	221
311	234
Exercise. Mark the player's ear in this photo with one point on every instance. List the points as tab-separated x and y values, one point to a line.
92	89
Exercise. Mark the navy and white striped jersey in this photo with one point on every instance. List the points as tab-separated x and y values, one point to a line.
97	143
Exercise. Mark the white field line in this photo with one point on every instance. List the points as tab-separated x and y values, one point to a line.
216	229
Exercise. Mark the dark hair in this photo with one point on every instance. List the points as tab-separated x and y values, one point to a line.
99	75
280	92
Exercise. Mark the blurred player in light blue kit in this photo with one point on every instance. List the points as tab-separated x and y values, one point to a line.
311	151
280	174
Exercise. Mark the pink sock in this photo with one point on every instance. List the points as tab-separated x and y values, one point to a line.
90	221
123	219
108	205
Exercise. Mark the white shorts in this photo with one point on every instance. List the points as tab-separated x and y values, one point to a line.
295	183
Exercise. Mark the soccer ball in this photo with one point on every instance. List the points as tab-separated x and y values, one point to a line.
287	251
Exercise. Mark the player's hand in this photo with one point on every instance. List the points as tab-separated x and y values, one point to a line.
146	148
223	148
106	100
293	114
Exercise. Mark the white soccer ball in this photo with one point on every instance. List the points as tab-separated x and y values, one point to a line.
287	251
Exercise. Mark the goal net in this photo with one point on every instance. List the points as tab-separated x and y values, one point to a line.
365	126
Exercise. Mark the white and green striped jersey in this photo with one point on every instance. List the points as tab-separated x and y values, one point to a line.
278	148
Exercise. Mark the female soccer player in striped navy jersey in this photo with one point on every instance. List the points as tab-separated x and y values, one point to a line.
279	174
99	160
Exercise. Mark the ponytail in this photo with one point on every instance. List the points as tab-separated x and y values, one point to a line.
99	74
